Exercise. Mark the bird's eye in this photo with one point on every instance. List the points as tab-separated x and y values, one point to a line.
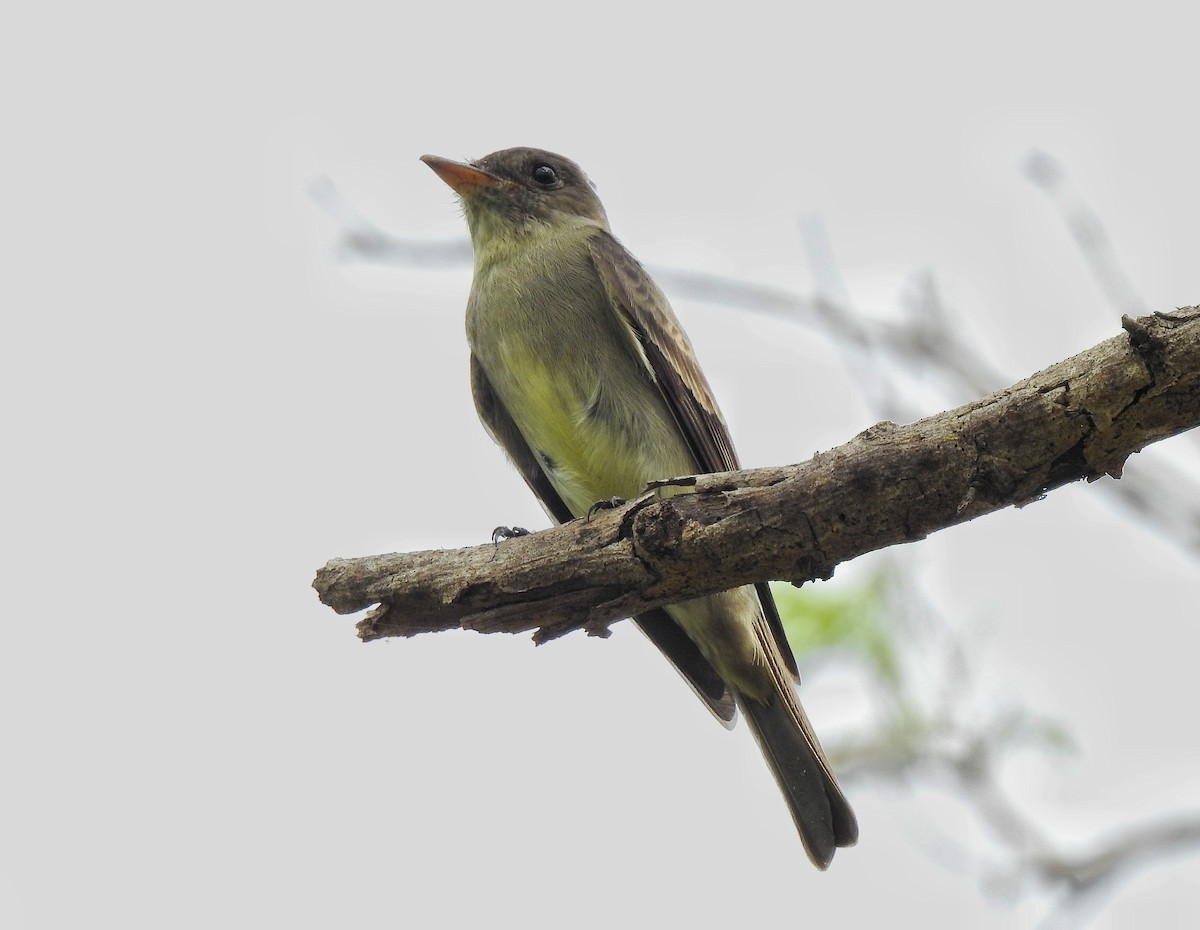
545	175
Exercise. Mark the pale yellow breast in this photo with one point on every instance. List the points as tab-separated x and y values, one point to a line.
567	369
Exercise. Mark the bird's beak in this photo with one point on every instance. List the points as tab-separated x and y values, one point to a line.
462	178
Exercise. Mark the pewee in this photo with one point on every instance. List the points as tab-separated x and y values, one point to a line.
582	373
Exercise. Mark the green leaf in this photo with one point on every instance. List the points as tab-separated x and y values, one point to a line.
845	617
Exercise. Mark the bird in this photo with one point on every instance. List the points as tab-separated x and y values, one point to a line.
582	373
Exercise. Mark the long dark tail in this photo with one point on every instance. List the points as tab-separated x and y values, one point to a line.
822	815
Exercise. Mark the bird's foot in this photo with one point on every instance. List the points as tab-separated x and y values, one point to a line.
611	504
507	532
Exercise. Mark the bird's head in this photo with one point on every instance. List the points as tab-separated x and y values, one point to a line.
521	192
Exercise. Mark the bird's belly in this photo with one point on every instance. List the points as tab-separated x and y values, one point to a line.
596	437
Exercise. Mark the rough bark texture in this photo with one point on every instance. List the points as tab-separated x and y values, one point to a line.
1079	419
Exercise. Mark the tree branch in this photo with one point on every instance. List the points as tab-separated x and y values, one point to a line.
1079	419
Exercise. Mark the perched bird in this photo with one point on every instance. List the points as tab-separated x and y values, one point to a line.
582	373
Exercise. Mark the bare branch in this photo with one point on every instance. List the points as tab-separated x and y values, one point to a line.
1079	419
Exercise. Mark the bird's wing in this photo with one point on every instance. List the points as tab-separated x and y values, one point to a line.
664	632
667	351
673	364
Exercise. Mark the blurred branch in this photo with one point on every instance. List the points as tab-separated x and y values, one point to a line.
951	745
1088	231
1078	419
970	755
1120	852
362	240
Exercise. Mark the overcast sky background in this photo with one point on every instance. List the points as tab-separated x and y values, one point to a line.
202	406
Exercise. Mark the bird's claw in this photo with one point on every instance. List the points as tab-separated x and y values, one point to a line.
507	532
611	504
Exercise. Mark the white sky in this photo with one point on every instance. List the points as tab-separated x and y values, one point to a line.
202	407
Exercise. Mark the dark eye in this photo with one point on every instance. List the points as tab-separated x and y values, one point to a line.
545	175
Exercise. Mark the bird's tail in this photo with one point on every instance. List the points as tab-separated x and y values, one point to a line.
822	815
